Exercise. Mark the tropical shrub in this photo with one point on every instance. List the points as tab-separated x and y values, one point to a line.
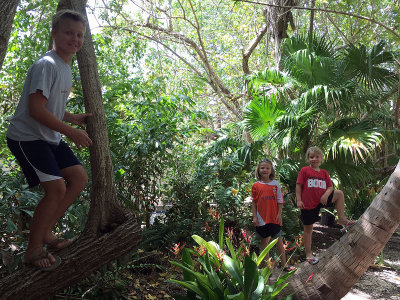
217	275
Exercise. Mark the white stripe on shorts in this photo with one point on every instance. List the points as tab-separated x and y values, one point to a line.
43	177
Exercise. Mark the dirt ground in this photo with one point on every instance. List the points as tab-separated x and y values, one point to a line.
379	282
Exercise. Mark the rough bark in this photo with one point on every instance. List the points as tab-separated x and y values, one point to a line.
311	29
78	261
7	13
278	16
342	265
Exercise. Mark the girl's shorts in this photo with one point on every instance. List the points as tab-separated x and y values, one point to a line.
270	229
310	216
41	161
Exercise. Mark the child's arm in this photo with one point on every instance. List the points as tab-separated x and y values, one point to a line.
299	188
279	215
254	211
324	197
38	111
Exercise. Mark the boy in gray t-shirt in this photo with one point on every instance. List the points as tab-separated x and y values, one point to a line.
34	137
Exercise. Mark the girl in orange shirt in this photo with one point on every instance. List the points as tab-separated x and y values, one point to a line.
266	207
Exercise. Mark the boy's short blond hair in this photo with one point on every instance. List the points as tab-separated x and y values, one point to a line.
315	150
66	14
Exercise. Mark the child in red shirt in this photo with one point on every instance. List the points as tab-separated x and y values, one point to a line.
314	190
266	207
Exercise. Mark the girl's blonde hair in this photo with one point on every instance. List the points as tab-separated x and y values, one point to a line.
315	150
271	176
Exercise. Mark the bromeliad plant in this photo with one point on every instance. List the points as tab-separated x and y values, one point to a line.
217	275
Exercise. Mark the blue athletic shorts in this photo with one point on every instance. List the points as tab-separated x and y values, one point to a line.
310	216
41	161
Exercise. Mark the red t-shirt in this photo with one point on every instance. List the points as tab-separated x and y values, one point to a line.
314	184
266	196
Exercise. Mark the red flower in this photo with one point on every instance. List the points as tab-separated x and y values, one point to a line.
176	248
309	278
207	227
201	250
220	254
229	232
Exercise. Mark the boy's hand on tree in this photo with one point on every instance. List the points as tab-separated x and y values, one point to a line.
80	138
300	204
80	119
279	219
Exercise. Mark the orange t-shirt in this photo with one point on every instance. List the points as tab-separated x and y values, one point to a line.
266	196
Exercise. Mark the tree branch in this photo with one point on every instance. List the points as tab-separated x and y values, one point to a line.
247	53
372	20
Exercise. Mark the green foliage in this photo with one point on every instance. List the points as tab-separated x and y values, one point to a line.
217	275
333	104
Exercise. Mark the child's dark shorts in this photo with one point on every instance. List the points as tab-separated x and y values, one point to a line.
310	216
270	229
41	161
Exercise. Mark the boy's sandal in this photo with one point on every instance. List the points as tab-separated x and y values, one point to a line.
42	255
56	243
312	260
348	225
289	268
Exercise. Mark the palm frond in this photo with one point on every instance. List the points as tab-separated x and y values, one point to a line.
348	136
320	45
369	67
271	81
261	114
346	172
309	68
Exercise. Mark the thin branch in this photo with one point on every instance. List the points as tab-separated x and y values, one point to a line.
247	53
337	28
327	11
197	72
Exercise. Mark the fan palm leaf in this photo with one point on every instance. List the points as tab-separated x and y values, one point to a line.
348	136
261	115
370	67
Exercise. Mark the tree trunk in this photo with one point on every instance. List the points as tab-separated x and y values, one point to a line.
110	231
78	261
7	13
311	29
105	211
342	265
278	19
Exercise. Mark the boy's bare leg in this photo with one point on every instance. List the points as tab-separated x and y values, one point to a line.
42	220
76	179
338	199
307	238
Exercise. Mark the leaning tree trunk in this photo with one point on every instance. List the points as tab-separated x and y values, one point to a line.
110	231
342	265
7	13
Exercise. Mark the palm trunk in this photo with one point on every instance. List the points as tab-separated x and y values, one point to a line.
342	265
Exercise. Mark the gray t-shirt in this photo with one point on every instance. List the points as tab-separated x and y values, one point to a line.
53	77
